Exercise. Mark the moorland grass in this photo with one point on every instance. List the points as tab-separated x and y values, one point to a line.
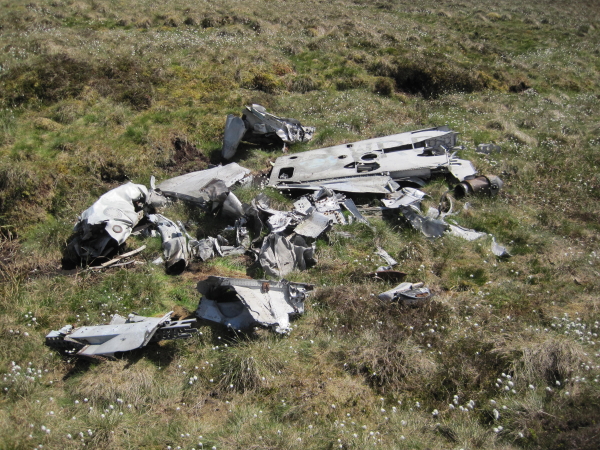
93	94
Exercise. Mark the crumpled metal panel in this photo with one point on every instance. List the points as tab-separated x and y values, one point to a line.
174	242
315	224
232	207
257	122
279	255
374	184
465	233
279	221
288	130
351	207
336	217
205	248
108	223
263	203
121	335
234	132
416	154
404	197
193	187
241	303
432	228
327	202
461	168
234	315
407	293
238	233
386	256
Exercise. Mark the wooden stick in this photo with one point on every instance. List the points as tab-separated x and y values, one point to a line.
119	258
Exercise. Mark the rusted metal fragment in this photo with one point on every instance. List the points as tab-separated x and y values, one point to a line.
489	184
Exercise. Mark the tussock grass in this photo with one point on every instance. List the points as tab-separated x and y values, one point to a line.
249	366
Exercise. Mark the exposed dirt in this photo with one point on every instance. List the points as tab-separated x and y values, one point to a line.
181	313
578	428
197	271
186	157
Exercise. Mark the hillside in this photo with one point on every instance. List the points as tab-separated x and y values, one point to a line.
505	356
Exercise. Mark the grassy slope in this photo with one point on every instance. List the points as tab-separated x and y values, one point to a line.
94	93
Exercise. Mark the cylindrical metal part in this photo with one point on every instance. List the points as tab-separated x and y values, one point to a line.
489	185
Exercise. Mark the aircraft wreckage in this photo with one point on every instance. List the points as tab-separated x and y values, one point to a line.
240	303
257	123
122	334
376	165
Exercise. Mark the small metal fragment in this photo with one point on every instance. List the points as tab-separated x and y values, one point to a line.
303	206
387	274
404	197
385	255
315	224
488	149
350	206
174	242
465	233
412	294
499	250
433	228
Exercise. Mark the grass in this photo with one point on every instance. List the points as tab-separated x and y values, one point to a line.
93	94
